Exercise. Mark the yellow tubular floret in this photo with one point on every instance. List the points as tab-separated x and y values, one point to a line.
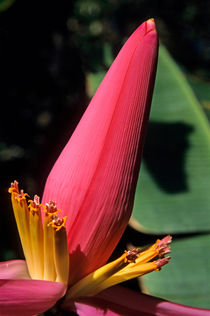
130	265
21	213
61	255
126	275
87	285
44	245
141	266
50	209
36	233
46	250
49	265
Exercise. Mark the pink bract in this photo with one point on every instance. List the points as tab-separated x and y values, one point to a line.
28	297
118	301
94	179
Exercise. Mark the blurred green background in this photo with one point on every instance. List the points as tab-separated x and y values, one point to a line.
53	56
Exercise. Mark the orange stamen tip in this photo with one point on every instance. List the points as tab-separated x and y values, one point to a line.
18	195
57	222
132	255
51	208
162	262
14	187
21	196
34	205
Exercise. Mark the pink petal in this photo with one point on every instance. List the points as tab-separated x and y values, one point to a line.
94	179
122	301
28	297
14	269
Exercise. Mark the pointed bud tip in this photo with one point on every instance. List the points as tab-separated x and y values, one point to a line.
147	27
151	21
150	26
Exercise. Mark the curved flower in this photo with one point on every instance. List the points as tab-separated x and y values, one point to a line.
47	261
93	182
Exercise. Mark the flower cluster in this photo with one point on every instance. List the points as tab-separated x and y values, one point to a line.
93	182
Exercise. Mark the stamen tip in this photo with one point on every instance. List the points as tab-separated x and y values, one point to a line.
163	245
162	262
14	187
57	222
132	255
165	241
51	207
34	205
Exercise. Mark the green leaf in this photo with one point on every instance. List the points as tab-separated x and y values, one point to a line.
202	92
94	79
173	189
5	4
186	278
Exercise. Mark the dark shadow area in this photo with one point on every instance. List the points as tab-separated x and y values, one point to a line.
54	312
81	261
164	154
138	239
42	98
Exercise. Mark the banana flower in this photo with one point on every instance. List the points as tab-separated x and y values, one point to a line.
67	243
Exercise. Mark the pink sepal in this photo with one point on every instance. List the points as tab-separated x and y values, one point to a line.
14	269
28	297
121	301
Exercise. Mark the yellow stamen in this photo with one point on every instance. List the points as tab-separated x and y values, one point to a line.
21	213
87	285
36	233
49	265
130	265
46	251
125	276
61	255
141	266
45	246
